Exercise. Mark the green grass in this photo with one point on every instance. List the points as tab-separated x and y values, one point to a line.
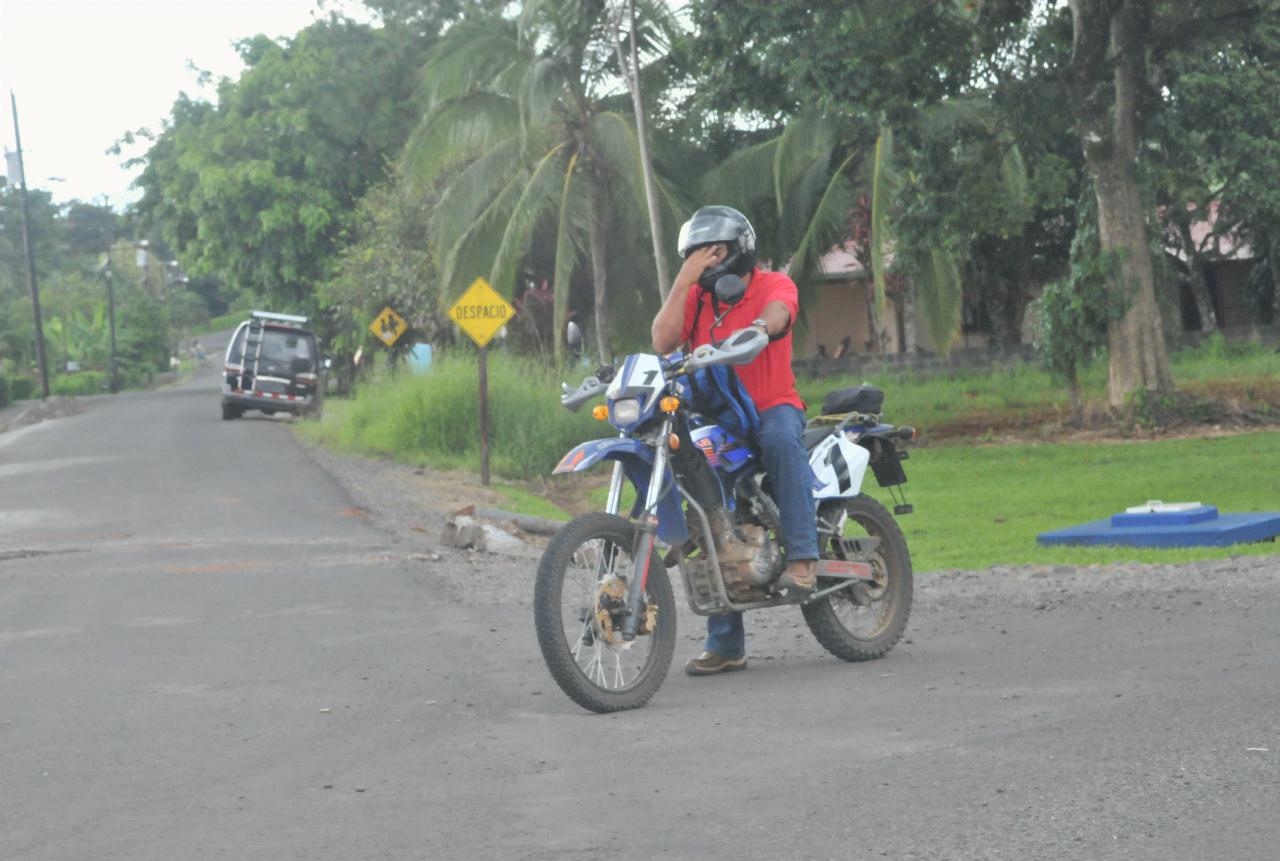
977	506
525	501
432	419
932	401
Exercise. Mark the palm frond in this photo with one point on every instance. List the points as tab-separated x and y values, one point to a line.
571	245
736	181
1013	174
543	84
470	192
880	193
472	255
939	295
675	208
807	138
540	195
801	200
455	131
614	145
471	56
826	225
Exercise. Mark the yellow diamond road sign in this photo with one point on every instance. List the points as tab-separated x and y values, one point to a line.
481	312
388	326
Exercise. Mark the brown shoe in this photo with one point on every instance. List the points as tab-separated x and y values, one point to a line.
801	576
710	663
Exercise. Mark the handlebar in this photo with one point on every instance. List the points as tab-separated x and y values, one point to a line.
739	348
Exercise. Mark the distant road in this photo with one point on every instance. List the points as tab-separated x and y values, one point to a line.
207	650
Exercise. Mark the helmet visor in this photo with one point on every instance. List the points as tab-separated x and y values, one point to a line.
705	230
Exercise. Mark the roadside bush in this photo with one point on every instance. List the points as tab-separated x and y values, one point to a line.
434	417
82	383
22	388
4	390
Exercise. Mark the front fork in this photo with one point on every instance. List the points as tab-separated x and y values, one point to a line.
646	530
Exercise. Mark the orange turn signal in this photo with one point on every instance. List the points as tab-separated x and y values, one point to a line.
669	404
673	441
600	412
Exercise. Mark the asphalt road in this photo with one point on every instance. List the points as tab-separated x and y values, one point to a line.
208	648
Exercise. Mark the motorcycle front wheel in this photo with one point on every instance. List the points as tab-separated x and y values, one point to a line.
578	619
865	621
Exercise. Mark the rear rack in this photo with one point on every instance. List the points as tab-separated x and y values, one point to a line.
272	317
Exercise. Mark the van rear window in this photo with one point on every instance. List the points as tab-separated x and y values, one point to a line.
283	351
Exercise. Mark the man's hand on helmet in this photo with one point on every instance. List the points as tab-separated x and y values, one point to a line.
698	261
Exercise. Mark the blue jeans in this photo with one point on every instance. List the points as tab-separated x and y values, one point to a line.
781	444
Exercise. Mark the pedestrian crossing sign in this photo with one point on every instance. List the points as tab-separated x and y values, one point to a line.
388	326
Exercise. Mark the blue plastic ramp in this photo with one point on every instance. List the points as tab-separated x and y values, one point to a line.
1173	525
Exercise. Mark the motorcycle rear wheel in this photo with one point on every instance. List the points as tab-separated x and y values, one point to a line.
597	674
865	624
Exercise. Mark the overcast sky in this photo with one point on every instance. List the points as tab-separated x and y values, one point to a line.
87	71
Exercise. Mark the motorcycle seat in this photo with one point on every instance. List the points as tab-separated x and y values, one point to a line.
816	434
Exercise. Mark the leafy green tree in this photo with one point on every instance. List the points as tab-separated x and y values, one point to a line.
1214	148
915	139
386	262
1071	315
17	327
526	129
1119	47
257	189
68	244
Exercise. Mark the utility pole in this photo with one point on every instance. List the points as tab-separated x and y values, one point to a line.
111	316
31	260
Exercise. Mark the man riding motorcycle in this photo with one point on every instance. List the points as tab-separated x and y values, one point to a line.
716	241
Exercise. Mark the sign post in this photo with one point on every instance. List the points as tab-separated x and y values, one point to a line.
481	312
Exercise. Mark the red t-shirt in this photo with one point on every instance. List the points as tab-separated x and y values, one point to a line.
768	378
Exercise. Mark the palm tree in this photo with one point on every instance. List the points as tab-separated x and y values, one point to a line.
819	171
523	128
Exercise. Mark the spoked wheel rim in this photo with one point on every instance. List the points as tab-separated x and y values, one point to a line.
597	570
867	610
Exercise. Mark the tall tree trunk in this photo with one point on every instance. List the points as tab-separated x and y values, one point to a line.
1196	281
1077	399
875	325
907	322
1138	357
1200	293
1111	36
631	72
1273	264
599	232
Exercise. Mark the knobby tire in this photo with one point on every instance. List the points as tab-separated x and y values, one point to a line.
549	619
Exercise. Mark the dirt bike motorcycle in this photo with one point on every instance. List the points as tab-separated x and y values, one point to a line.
604	607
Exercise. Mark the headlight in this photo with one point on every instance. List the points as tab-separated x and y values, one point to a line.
626	411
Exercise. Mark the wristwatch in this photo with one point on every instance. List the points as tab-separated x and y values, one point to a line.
760	321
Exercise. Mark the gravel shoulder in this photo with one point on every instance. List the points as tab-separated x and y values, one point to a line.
412	505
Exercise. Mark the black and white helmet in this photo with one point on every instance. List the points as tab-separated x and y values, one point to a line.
713	224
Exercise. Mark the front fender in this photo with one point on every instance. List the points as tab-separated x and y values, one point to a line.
637	460
591	452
